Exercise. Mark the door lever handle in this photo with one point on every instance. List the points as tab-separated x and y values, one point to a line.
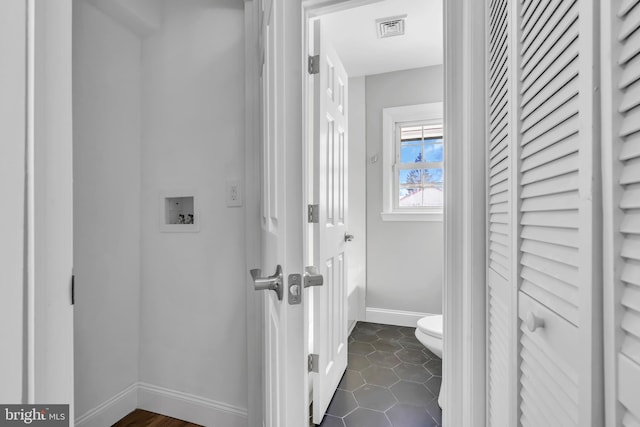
271	283
312	277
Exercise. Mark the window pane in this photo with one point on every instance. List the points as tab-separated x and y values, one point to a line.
410	197
410	153
433	177
433	150
410	176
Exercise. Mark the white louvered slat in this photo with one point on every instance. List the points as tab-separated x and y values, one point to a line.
499	349
556	218
499	174
628	108
549	380
499	138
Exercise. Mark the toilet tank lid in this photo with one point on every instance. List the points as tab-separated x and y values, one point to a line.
431	325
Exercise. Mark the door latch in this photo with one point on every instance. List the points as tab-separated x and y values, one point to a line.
297	282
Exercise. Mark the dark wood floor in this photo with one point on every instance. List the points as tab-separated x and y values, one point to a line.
140	418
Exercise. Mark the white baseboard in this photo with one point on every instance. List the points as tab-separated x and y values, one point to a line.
176	404
112	410
188	407
394	317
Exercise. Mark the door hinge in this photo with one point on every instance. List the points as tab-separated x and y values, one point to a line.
73	289
313	64
313	214
313	362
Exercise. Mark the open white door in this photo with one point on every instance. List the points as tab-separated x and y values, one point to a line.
284	333
330	233
50	204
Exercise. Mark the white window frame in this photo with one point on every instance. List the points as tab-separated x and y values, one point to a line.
391	117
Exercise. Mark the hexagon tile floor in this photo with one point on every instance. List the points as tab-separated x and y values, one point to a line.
391	381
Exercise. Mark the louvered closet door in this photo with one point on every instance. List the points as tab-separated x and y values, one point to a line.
500	337
621	146
559	242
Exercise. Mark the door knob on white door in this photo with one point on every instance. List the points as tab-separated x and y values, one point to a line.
348	237
534	322
272	283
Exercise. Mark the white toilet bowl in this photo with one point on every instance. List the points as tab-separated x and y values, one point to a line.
429	333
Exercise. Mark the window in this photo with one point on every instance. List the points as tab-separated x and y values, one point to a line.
413	163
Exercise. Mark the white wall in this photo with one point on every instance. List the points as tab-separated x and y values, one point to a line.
13	37
193	334
107	190
357	216
404	259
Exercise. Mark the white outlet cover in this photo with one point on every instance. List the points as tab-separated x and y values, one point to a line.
234	193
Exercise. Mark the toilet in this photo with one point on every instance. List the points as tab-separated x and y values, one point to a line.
429	333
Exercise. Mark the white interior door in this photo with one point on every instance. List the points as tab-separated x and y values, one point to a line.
284	333
330	192
50	204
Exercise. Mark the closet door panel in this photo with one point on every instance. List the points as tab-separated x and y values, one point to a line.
500	315
558	224
621	119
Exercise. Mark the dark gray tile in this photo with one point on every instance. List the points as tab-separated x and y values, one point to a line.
429	353
390	334
410	372
363	336
411	355
385	359
374	397
351	380
331	421
369	328
370	380
387	345
434	366
405	415
433	409
378	375
411	342
408	331
363	348
411	393
434	384
342	403
366	418
357	362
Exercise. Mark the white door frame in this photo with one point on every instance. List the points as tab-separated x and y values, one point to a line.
49	204
464	295
464	289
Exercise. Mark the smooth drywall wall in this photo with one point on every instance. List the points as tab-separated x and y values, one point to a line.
107	166
404	259
193	334
357	214
13	124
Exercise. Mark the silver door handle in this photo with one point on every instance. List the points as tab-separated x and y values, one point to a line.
312	277
348	237
271	283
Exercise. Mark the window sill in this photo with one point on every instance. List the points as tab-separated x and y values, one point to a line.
412	216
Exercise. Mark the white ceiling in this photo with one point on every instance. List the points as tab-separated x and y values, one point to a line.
354	35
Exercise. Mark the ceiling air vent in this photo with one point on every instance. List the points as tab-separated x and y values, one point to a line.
390	27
